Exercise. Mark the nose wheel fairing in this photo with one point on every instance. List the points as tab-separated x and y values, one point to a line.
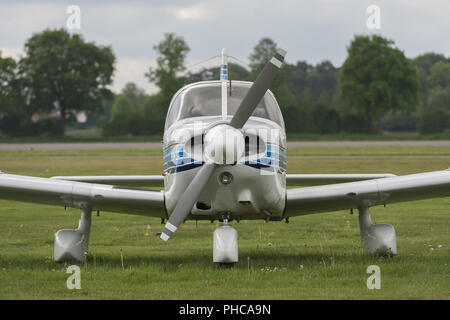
225	244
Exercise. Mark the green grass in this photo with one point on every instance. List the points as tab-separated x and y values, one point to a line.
369	151
79	136
82	153
312	257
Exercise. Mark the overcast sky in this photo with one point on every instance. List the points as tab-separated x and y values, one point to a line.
308	30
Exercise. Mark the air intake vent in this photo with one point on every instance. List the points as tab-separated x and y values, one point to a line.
254	145
194	147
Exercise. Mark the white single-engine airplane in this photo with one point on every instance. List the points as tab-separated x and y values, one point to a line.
225	159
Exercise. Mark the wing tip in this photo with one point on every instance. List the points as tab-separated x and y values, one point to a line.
281	52
164	237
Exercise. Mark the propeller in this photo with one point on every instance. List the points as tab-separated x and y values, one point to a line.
187	200
224	144
257	90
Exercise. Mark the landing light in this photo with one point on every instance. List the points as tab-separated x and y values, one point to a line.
226	178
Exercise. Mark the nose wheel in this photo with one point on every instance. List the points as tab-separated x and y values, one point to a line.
225	247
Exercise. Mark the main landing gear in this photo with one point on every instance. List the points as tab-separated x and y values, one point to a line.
378	239
73	244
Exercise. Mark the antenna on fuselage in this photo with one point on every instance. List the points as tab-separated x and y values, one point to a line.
223	79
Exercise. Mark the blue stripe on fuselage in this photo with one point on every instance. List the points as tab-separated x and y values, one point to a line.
176	160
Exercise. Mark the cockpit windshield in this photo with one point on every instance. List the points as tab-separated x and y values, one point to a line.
205	99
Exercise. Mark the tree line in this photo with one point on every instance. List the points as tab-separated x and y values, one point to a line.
61	77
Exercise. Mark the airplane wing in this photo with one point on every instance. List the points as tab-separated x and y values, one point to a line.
325	198
320	179
130	181
81	194
158	181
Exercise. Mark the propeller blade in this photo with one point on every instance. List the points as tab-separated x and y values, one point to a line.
257	90
187	200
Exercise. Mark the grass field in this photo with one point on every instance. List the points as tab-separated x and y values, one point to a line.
312	257
95	135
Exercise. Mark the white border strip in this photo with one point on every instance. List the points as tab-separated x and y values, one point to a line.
164	236
277	63
171	227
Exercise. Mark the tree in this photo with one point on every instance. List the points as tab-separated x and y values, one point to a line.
124	118
320	81
325	119
172	53
439	97
435	113
154	110
427	60
135	94
7	78
376	78
13	114
264	50
64	74
126	112
434	120
297	78
423	64
8	85
439	75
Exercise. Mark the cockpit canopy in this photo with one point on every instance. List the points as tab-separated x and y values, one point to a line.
204	99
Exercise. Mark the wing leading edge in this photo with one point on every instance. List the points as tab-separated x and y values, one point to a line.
320	179
81	194
308	200
130	181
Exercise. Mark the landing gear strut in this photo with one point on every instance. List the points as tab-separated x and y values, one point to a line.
377	238
73	244
225	248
